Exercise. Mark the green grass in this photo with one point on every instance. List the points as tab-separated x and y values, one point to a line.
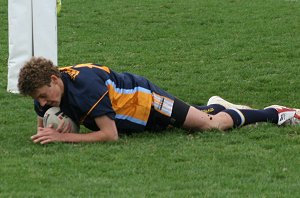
246	51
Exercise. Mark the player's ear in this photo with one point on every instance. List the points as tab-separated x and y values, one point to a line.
54	79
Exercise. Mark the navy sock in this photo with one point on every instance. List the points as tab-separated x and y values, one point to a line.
243	117
210	109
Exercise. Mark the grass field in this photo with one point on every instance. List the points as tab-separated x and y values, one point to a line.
246	51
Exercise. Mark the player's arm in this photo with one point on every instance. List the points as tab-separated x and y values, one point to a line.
39	122
108	132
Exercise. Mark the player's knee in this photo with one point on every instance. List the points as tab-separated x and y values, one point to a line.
222	121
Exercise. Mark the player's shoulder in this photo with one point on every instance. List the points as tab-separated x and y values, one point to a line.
83	70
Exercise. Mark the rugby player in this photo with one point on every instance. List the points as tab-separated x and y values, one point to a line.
110	103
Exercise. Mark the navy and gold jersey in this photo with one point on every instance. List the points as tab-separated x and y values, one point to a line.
93	90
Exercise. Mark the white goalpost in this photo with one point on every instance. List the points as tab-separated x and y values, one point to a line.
32	30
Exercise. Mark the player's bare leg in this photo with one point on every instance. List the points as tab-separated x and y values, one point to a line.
232	118
198	120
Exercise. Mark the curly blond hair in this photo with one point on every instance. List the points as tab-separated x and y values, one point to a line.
35	74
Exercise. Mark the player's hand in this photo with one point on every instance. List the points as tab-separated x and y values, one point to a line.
64	128
47	135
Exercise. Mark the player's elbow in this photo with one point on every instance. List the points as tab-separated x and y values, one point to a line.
114	137
111	136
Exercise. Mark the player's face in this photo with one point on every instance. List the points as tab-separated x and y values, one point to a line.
50	95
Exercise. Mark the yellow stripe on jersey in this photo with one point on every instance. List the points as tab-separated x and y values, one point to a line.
91	65
131	104
71	72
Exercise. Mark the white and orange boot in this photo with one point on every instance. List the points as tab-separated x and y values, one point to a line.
225	103
286	115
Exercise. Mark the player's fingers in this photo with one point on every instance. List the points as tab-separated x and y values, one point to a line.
46	141
40	139
60	127
38	135
35	136
67	128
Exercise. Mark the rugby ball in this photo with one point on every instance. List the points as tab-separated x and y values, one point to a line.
54	116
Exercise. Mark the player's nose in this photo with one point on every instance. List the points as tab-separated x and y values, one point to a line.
42	102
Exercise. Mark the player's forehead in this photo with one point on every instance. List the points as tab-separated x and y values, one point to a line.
41	91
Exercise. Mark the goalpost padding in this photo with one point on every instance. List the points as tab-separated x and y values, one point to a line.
32	32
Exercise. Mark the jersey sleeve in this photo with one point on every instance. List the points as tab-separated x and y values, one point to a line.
40	111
